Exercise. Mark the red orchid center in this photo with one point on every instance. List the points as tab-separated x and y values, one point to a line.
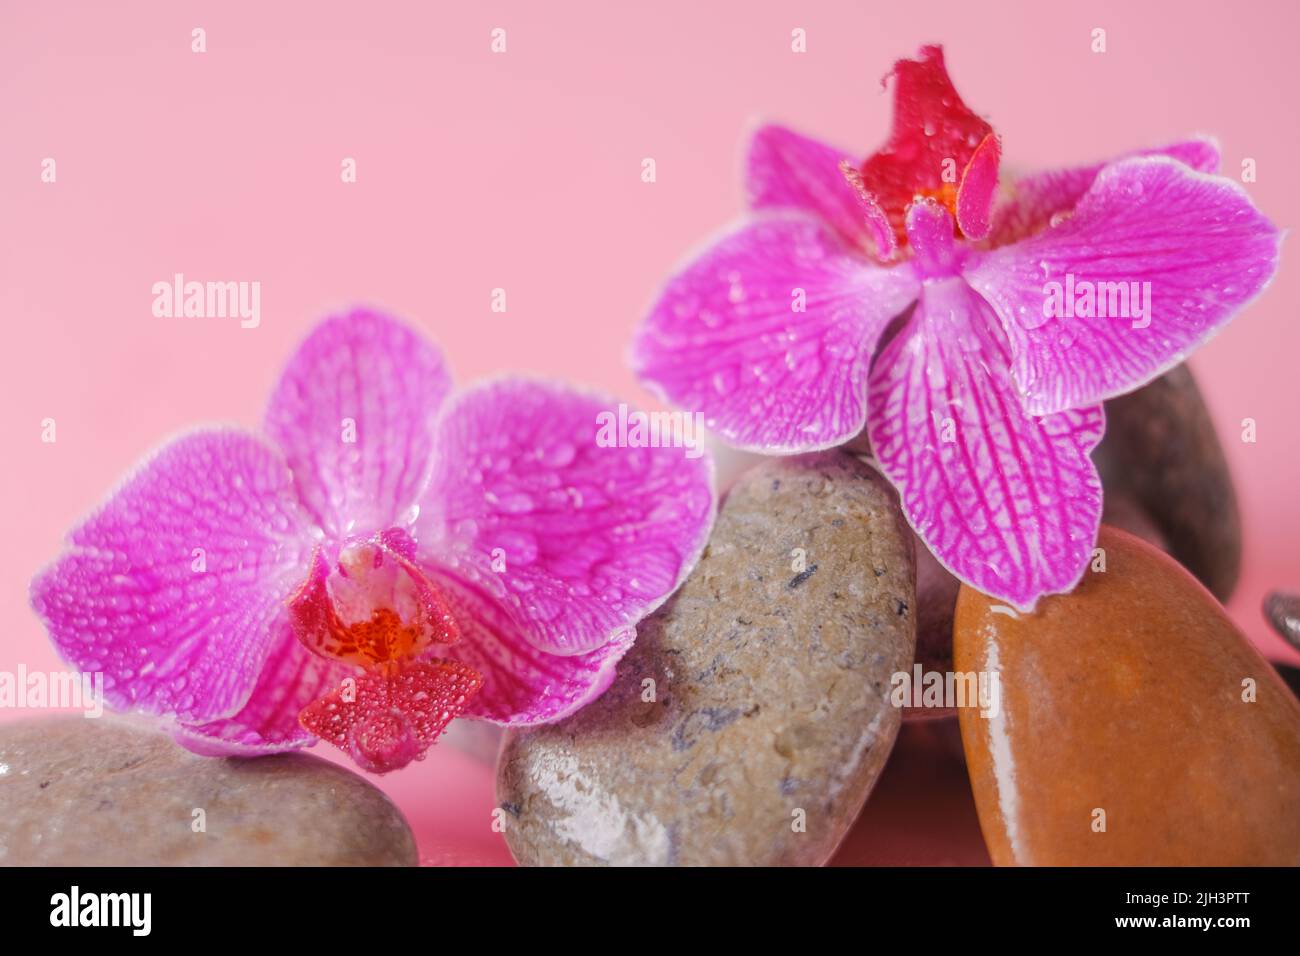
938	150
375	608
945	195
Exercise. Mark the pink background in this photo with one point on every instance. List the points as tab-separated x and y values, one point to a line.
522	171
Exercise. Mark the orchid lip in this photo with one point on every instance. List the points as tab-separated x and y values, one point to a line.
388	716
938	149
383	741
371	606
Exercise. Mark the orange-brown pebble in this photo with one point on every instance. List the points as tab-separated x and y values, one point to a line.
1136	725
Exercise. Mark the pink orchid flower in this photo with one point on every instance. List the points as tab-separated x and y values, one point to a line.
999	320
386	557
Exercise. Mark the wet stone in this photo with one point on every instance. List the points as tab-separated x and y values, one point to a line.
1137	725
1162	454
1283	612
751	719
113	792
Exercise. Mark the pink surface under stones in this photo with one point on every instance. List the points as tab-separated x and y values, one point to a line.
752	717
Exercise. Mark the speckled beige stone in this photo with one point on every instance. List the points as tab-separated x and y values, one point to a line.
111	792
770	692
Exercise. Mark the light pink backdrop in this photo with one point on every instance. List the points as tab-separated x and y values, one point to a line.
522	171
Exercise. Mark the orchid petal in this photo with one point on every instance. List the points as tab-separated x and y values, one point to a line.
354	413
171	589
787	171
1008	503
1030	202
769	334
1169	255
522	685
576	540
291	678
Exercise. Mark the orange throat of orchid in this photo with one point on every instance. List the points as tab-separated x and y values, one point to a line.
375	610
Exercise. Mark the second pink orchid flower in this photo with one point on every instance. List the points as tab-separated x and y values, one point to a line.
973	331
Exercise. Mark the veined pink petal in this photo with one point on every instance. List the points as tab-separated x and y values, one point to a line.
574	539
521	684
769	334
354	413
1008	503
1168	255
291	678
784	170
1028	204
171	588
